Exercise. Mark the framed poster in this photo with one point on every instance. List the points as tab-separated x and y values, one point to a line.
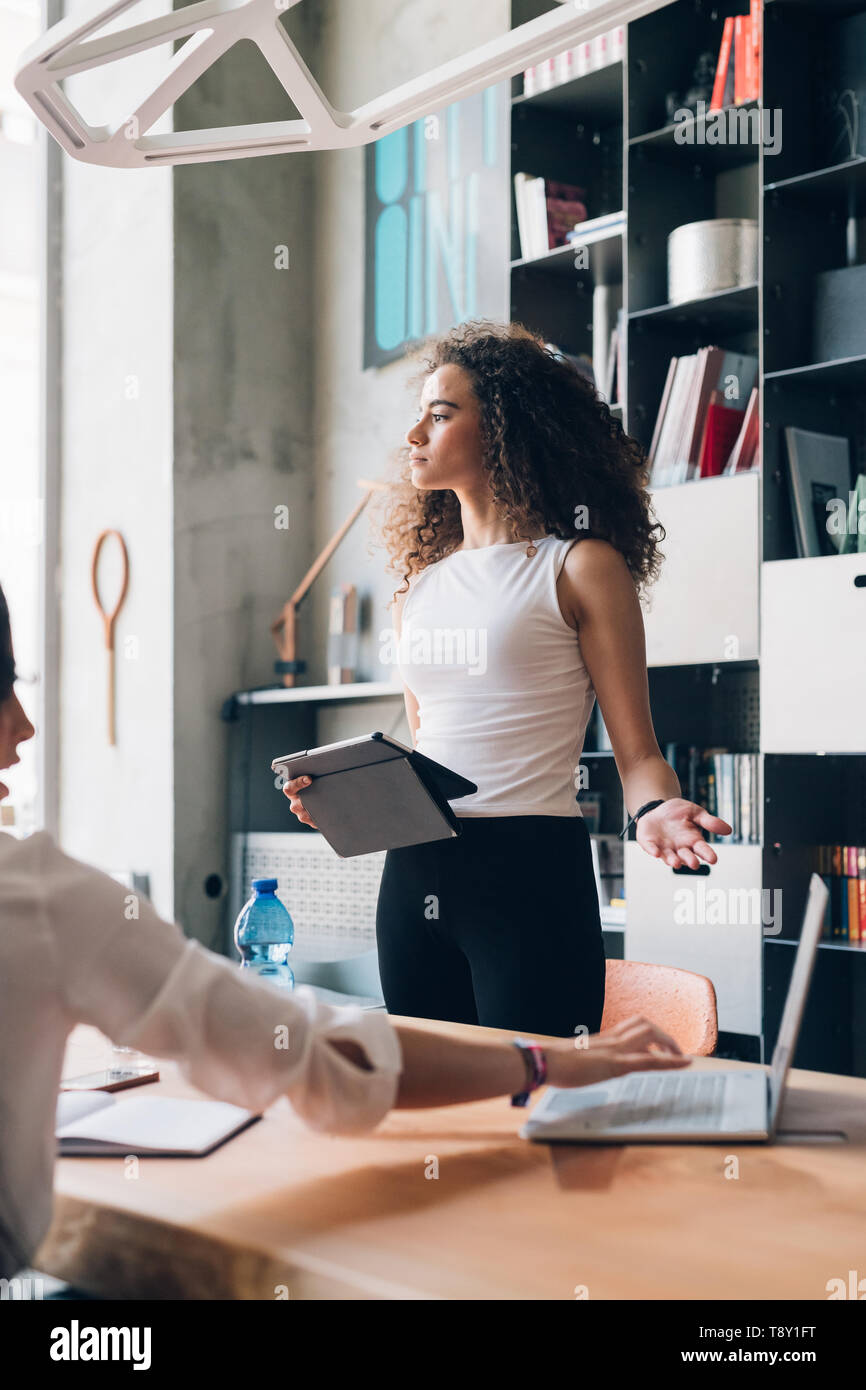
437	224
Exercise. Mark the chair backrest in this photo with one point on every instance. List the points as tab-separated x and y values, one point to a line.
680	1002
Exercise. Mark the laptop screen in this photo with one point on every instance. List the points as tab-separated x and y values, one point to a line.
795	1003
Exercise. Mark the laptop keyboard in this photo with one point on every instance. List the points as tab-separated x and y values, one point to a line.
694	1096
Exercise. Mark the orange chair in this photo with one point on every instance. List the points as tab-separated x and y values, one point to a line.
680	1002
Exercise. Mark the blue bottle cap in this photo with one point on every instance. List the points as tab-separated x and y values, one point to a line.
264	885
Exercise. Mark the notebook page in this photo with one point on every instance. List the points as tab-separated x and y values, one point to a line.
74	1105
162	1123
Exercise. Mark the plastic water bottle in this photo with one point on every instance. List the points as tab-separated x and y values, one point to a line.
264	935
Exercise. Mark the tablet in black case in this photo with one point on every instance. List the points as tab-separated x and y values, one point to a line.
374	793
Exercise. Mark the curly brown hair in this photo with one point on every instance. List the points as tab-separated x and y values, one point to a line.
551	450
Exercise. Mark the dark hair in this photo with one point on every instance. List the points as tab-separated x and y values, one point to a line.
551	446
7	664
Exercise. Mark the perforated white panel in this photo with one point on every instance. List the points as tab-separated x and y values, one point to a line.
332	901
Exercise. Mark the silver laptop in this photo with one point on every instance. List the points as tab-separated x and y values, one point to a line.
711	1104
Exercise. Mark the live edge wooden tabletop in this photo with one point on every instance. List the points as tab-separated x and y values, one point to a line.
282	1212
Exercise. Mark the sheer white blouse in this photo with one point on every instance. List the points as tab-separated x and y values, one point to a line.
69	953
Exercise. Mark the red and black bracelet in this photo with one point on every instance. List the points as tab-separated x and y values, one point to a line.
536	1068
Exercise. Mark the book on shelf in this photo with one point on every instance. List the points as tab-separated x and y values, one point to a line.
662	410
819	471
721	428
701	413
610	375
564	207
725	783
664	467
592	226
843	869
547	209
735	376
723	87
606	307
756	38
615	376
738	68
575	62
523	222
741	41
744	455
748	90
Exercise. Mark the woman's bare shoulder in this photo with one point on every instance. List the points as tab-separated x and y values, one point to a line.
595	572
592	553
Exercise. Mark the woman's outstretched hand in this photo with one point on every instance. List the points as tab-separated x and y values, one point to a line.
293	791
674	832
633	1045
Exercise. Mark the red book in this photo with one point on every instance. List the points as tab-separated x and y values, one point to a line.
741	22
856	927
749	458
725	54
743	455
757	45
720	434
555	188
564	208
748	61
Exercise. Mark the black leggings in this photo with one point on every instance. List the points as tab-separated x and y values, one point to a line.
498	926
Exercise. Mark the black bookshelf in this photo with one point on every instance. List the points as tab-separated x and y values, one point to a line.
609	132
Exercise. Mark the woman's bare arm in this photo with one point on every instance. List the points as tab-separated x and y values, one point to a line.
439	1069
599	589
603	601
409	699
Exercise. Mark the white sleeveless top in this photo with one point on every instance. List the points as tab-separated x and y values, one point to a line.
503	694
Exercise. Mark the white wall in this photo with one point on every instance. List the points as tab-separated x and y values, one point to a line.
244	340
361	416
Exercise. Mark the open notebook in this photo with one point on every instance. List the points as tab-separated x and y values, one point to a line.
98	1122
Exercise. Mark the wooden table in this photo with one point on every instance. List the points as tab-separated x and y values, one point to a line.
282	1211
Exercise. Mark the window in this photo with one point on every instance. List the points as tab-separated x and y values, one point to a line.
22	503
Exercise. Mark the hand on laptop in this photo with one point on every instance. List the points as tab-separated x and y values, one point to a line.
636	1044
293	790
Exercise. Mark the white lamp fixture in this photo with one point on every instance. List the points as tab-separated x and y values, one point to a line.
211	27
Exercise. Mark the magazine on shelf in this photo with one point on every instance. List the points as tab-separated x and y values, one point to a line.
819	469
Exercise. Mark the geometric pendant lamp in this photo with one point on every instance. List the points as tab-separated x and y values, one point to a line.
212	27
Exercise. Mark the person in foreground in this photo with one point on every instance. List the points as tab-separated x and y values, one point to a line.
68	955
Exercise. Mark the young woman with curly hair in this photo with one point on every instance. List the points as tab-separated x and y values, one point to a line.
522	529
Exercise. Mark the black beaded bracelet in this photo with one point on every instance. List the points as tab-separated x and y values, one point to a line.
641	811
